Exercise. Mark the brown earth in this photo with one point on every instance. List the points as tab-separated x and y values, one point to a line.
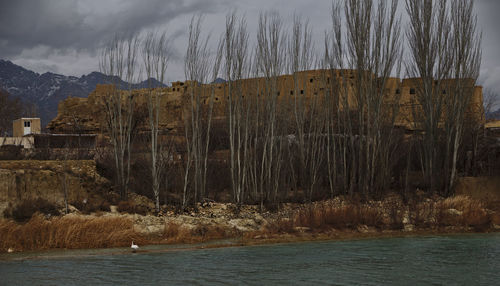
22	180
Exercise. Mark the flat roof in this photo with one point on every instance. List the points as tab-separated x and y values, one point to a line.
60	135
492	124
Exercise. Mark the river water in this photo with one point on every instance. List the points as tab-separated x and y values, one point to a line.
435	260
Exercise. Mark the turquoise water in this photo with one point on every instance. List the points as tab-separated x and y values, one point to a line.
451	260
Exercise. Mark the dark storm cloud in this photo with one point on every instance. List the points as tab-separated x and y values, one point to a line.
32	32
80	25
489	22
64	36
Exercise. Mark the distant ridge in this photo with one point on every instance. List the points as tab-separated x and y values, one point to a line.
493	114
46	90
219	80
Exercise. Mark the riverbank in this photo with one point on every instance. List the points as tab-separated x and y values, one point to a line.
338	218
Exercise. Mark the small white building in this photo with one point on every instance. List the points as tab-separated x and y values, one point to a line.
24	126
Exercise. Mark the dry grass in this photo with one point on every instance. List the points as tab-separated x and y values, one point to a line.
422	214
320	218
175	233
341	217
325	216
469	213
67	232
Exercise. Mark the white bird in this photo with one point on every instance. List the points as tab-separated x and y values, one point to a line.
134	246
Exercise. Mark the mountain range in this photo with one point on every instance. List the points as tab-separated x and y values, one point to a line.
46	90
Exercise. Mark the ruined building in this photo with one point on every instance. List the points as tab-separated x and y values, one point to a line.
87	115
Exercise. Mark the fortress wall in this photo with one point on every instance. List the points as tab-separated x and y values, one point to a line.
89	113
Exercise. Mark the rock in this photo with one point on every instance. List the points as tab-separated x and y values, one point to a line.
243	224
113	209
406	218
302	229
258	218
409	227
10	250
71	209
363	228
454	212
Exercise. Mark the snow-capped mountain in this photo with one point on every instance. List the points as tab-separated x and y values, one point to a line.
47	89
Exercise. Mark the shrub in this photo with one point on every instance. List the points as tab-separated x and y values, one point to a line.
93	204
175	233
463	211
280	225
132	208
326	215
27	208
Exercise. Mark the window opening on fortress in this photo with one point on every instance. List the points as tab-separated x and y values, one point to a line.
398	91
311	80
27	124
412	91
301	91
444	91
291	92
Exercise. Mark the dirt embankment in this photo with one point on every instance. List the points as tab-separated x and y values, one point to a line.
335	218
31	179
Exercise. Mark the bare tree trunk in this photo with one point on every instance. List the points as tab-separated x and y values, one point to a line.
155	52
118	61
466	44
197	66
444	44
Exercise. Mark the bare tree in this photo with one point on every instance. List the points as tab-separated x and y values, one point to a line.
236	68
491	99
466	49
445	55
308	109
10	109
270	63
156	53
360	104
430	60
198	62
119	61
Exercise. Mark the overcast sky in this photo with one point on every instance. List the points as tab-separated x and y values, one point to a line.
64	36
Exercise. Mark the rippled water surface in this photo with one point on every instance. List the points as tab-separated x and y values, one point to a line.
450	260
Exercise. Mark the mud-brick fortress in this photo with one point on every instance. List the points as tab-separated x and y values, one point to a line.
87	115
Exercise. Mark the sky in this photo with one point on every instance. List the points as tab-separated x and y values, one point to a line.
65	36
